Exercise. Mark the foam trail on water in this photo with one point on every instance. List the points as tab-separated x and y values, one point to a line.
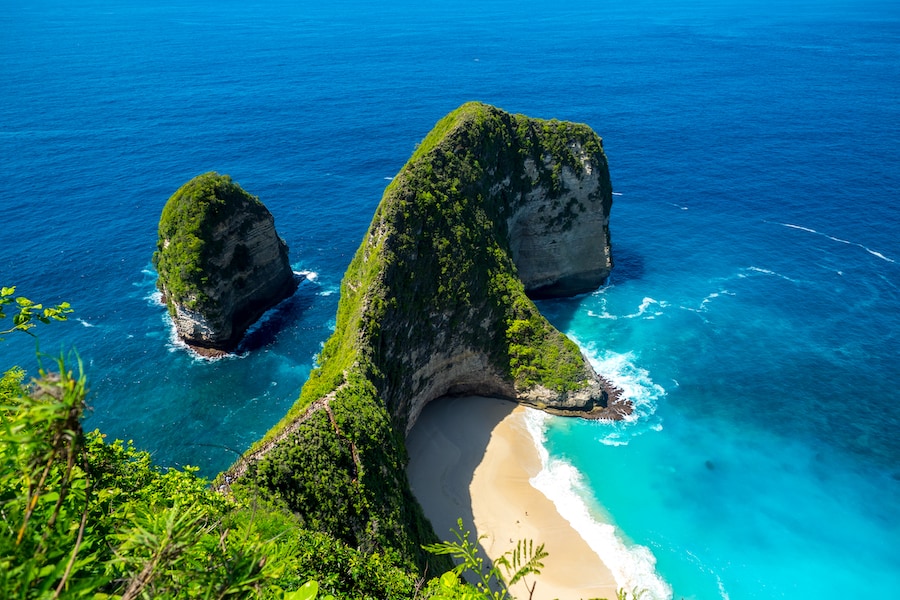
646	303
642	310
837	239
632	566
638	387
307	275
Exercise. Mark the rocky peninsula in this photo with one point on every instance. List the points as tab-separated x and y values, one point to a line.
491	208
221	263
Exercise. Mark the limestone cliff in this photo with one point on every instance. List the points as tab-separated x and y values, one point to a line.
489	207
221	264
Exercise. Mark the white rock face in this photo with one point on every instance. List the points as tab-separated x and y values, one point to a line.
560	241
457	371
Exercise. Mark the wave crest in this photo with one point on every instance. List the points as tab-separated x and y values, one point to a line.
633	566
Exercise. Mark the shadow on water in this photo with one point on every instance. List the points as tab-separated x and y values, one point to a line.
560	312
288	312
628	265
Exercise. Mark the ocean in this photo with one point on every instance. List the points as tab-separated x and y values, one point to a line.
753	313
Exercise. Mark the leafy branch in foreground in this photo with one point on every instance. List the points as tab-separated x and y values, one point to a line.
28	311
525	559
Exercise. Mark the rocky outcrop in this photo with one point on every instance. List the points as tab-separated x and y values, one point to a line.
221	263
491	208
559	228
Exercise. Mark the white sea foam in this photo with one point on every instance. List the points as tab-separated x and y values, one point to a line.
768	272
632	566
722	591
642	310
710	297
602	315
176	344
634	381
645	305
617	193
700	566
85	323
307	275
837	239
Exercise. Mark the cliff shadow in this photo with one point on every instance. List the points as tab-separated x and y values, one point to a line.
446	445
561	312
627	265
282	316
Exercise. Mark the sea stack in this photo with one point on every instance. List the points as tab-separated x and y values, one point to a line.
491	209
220	262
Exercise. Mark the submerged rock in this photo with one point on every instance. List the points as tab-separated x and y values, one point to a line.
221	264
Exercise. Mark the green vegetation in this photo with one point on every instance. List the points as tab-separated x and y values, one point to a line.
343	472
80	517
507	570
434	271
436	264
494	582
84	518
28	312
328	501
184	249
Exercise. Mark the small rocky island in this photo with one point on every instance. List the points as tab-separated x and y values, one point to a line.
491	210
221	264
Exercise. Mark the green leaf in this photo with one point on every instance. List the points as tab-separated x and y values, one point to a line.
449	580
307	591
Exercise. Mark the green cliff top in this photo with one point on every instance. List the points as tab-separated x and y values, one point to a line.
436	260
186	246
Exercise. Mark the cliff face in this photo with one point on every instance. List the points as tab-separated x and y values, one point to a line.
559	231
221	264
489	208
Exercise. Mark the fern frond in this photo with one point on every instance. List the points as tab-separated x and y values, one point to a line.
525	560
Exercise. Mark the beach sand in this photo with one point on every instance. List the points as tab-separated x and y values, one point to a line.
472	458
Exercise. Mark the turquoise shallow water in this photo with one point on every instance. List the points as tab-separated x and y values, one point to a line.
754	308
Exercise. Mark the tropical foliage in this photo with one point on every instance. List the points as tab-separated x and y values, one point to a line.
80	517
492	583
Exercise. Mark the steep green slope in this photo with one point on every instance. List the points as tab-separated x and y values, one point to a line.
432	304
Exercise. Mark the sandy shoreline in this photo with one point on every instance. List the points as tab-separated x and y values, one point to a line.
473	458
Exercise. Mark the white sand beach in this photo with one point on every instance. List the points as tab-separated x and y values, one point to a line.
473	457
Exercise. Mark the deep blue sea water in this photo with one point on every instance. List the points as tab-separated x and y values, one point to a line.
753	313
